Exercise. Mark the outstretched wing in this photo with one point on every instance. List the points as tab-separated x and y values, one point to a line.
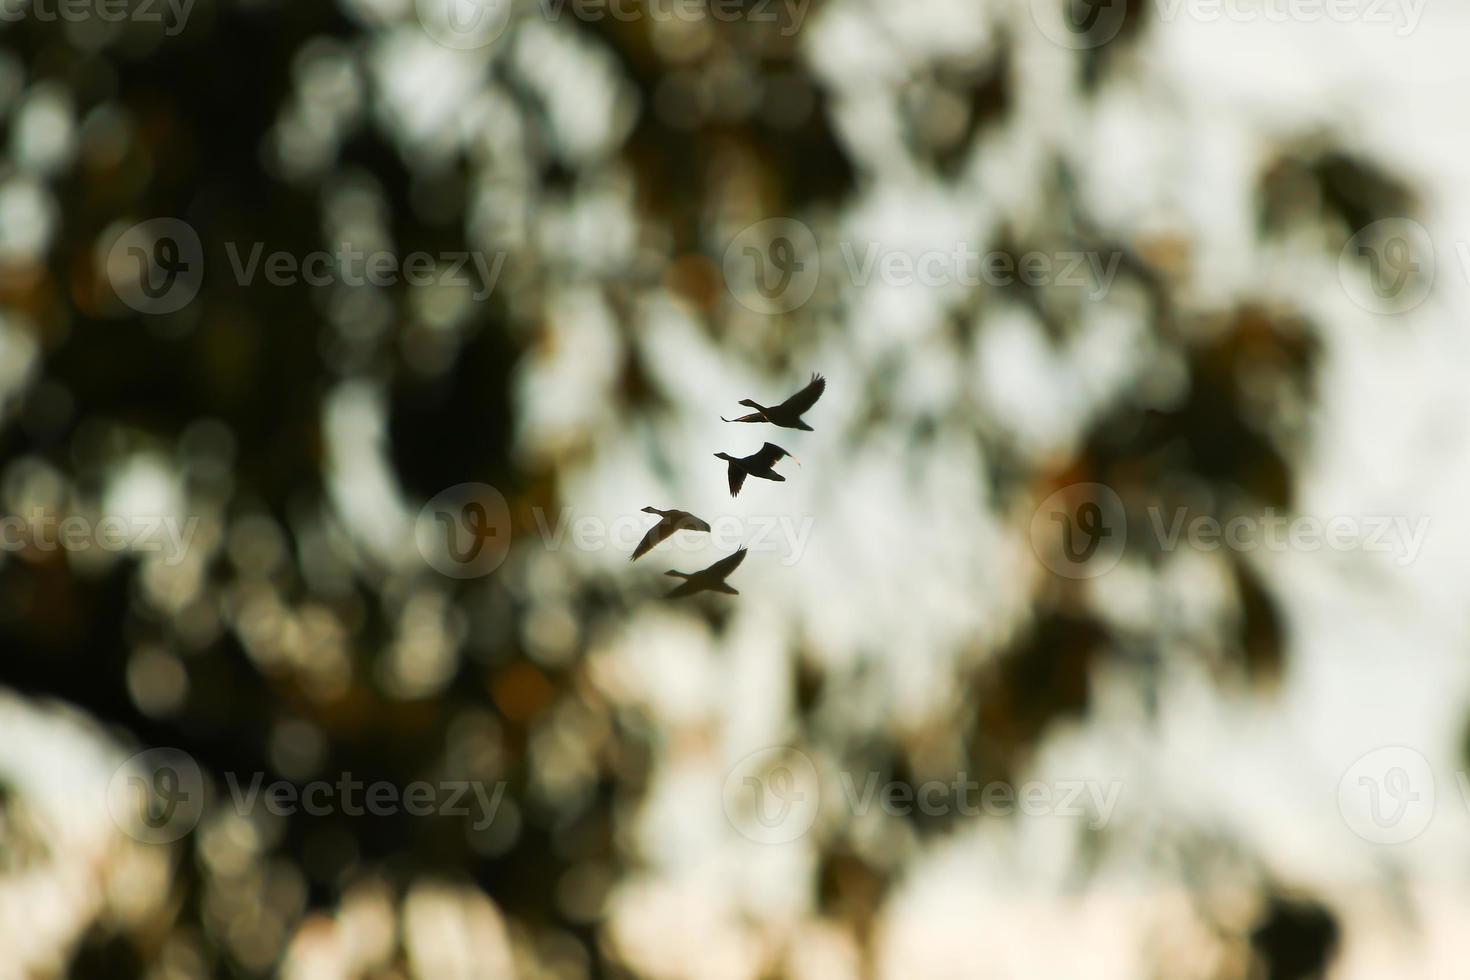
726	565
768	455
804	399
752	417
737	480
685	521
655	534
688	588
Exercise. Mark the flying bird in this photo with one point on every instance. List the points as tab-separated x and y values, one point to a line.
711	579
757	464
673	520
787	414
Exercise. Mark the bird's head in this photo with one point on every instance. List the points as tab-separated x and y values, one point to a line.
724	457
749	404
652	510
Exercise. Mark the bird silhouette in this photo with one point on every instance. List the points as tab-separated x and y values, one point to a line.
711	579
673	520
787	414
757	464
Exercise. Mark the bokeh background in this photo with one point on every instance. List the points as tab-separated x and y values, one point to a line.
1231	158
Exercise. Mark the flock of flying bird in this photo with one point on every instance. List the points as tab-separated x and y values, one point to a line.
759	464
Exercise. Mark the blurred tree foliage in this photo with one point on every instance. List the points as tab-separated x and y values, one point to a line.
198	111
